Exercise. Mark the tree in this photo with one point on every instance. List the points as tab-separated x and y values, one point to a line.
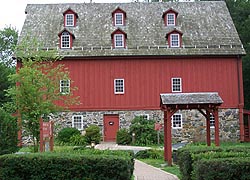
8	41
37	92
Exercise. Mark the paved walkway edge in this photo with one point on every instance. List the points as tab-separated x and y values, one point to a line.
158	169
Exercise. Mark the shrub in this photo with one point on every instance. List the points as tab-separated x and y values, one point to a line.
8	133
150	154
78	140
59	166
93	134
66	133
123	137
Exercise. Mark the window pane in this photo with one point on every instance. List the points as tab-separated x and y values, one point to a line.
174	40
177	121
119	86
176	85
118	19
212	120
119	40
65	40
170	19
64	86
77	122
69	20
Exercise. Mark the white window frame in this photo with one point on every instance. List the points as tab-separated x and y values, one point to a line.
64	84
121	41
76	124
212	120
175	84
170	21
118	87
176	117
119	20
69	20
144	116
175	40
65	40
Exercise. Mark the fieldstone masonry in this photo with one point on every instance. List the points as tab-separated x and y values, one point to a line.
193	127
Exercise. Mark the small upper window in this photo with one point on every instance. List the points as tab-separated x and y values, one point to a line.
66	39
119	17
119	86
119	39
170	17
176	85
65	86
174	39
70	17
77	122
177	121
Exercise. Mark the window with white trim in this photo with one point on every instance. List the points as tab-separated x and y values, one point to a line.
119	19
119	86
77	122
119	40
174	40
144	116
69	18
65	40
65	86
176	85
170	19
177	121
212	120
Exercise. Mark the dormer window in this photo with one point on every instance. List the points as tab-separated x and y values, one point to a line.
66	39
174	39
70	17
119	39
169	17
119	17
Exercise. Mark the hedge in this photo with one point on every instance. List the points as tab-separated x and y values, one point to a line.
57	166
222	169
188	156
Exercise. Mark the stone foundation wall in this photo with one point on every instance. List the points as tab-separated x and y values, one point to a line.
193	128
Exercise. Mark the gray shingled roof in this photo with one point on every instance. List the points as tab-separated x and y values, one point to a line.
206	26
191	98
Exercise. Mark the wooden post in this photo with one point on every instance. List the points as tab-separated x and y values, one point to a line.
208	128
216	128
167	137
41	135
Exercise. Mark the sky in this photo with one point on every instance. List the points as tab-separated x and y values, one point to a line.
12	11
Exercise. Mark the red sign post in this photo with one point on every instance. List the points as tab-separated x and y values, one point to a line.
46	135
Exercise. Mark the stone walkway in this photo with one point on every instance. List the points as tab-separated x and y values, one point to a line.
142	170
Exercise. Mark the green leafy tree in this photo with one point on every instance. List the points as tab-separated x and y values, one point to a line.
37	92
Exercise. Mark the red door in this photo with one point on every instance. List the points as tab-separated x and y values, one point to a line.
111	126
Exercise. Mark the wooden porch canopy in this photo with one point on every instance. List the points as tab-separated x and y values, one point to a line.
205	103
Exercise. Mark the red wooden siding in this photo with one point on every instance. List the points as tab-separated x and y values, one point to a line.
145	79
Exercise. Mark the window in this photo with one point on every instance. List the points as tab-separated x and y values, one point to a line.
119	86
118	19
144	116
174	40
212	120
176	85
177	121
65	40
170	19
69	20
64	86
119	40
77	122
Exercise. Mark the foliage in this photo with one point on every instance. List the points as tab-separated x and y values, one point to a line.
123	137
150	154
66	133
8	133
144	131
65	166
78	140
93	134
8	41
37	89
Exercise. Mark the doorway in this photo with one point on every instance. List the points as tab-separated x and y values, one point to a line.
111	126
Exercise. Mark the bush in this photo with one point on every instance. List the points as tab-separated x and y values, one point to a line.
150	154
93	134
59	166
78	140
8	133
65	134
123	137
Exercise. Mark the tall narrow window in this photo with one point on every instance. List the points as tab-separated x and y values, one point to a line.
65	86
119	19
69	20
212	120
170	19
65	40
177	121
119	86
174	40
176	85
119	40
77	122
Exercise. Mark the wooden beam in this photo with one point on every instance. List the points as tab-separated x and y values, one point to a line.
208	128
216	127
167	138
